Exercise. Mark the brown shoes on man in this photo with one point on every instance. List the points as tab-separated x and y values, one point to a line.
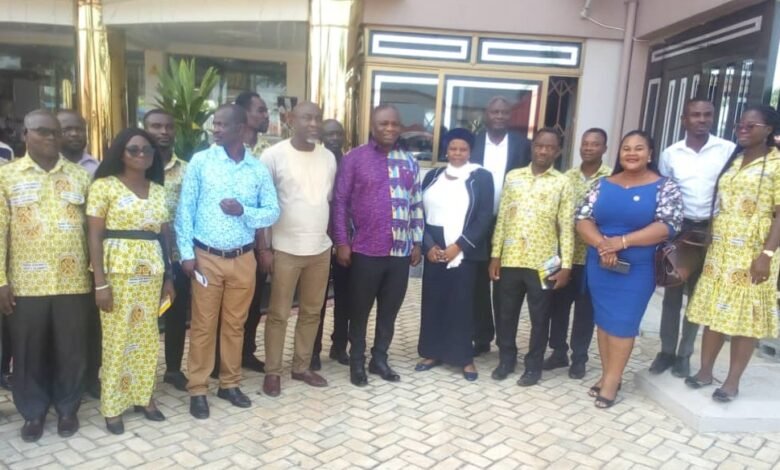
272	385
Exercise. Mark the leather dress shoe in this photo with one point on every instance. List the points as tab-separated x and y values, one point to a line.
199	407
177	379
253	363
481	349
32	429
661	362
357	375
67	425
383	370
115	425
310	378
681	367
315	363
502	371
272	385
577	370
235	397
151	415
529	377
556	360
339	355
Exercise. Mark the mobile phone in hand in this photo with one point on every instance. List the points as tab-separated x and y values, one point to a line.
622	267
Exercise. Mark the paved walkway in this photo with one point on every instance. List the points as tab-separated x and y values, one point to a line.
430	420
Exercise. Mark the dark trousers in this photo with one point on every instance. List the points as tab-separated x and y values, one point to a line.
50	353
6	352
340	277
94	344
486	306
176	321
672	306
516	285
380	278
576	292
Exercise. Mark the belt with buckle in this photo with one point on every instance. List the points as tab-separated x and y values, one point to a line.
234	253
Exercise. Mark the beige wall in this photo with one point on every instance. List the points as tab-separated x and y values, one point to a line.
657	18
547	17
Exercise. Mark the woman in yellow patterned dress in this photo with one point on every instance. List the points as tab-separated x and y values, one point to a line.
736	293
129	242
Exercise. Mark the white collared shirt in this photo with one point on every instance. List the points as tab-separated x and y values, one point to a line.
495	162
696	173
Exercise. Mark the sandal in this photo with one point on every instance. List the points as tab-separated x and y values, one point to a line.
721	396
604	403
695	383
594	391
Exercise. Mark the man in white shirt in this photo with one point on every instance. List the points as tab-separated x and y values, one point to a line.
499	150
303	172
694	164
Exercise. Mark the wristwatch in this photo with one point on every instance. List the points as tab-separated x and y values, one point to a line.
768	253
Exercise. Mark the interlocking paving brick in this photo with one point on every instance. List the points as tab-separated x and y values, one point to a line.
431	419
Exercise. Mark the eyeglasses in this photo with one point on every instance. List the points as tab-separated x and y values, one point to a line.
46	132
135	151
748	126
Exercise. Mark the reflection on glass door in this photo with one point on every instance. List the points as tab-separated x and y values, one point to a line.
465	99
414	95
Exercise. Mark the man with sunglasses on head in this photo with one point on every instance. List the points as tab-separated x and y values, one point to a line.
44	282
694	163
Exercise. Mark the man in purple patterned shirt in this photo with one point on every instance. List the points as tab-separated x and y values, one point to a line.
378	194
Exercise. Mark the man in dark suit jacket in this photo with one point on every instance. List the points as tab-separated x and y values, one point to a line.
498	150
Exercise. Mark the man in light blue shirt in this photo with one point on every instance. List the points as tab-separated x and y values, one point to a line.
226	196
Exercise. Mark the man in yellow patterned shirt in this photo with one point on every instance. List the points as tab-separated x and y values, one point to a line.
46	286
159	124
582	178
534	232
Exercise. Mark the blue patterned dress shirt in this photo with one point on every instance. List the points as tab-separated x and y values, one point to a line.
212	176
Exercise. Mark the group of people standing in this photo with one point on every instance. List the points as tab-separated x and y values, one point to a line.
89	263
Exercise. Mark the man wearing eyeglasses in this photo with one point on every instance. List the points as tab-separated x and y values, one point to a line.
44	282
694	163
74	140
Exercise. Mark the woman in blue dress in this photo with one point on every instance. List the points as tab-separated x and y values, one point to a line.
623	219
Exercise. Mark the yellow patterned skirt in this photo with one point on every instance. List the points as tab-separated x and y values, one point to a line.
725	299
130	343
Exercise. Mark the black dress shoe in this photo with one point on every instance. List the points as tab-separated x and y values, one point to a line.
177	379
529	377
502	371
199	407
67	425
235	397
315	363
253	363
153	415
681	367
357	375
481	349
577	370
32	429
115	425
661	362
556	360
339	355
383	370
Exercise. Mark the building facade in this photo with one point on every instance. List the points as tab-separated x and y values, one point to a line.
569	64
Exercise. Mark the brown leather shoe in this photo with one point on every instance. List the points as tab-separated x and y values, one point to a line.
310	378
272	385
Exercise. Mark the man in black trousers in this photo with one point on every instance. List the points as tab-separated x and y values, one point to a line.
499	150
333	137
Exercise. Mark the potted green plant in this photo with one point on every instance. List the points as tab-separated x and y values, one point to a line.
188	103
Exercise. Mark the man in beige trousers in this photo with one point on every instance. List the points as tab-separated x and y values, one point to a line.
303	172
